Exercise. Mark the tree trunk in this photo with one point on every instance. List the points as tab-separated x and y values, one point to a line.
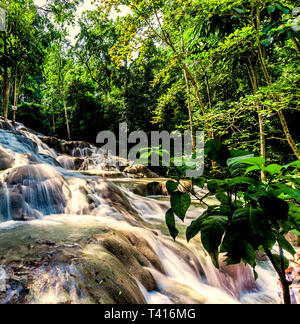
188	90
15	97
67	119
280	112
53	122
269	82
285	284
254	82
6	82
6	97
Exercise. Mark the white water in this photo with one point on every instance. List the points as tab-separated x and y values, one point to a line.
37	186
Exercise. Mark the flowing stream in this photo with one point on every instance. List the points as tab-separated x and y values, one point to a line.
76	228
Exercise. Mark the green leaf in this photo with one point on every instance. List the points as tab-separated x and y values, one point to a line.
294	216
277	260
267	42
250	255
217	152
180	203
170	221
293	164
293	193
242	181
269	240
255	275
283	243
223	198
273	169
199	182
236	165
194	229
258	161
216	185
259	222
171	186
213	229
252	168
240	153
215	258
275	208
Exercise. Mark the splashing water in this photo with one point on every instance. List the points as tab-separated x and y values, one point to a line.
39	182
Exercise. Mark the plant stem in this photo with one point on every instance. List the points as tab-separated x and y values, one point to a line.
281	273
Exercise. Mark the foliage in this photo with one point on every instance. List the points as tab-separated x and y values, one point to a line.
251	215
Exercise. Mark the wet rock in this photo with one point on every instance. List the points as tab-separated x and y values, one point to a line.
71	148
81	164
82	273
145	249
114	196
34	190
6	160
36	173
135	262
150	189
139	171
237	278
17	206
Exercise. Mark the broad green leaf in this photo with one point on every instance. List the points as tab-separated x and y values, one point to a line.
283	243
215	258
180	203
294	216
293	164
259	222
223	198
251	169
212	233
273	169
216	185
199	182
242	181
293	193
170	221
250	255
277	209
240	153
258	161
194	229
269	240
236	165
277	260
171	186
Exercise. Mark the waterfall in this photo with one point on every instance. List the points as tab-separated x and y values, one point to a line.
60	203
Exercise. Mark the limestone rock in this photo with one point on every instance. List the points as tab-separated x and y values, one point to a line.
6	160
139	171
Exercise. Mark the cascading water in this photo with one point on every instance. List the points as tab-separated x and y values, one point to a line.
75	217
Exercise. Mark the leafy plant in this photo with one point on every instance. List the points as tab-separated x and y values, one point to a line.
251	215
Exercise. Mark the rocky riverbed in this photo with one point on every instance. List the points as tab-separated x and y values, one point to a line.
80	226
